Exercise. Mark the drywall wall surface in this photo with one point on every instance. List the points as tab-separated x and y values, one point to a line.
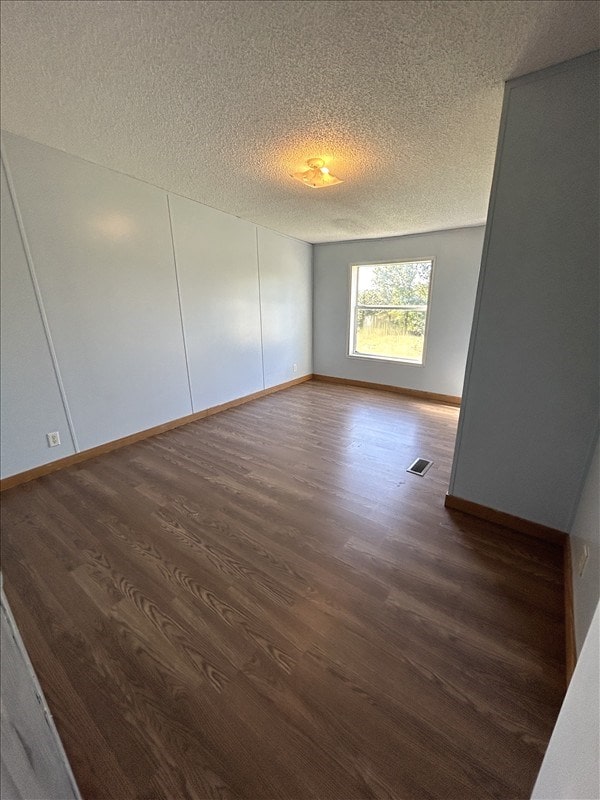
456	254
285	267
585	533
217	267
570	770
27	416
101	248
154	306
530	405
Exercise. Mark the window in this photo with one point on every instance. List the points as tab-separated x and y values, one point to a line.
388	313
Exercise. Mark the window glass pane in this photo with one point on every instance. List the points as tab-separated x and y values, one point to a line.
392	334
394	284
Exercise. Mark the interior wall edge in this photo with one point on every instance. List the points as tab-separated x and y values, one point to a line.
530	528
538	161
480	285
519	524
570	642
584	539
433	397
391	237
570	766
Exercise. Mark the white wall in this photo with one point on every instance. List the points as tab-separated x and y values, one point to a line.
286	304
217	264
457	255
586	532
115	272
26	415
570	770
101	249
529	415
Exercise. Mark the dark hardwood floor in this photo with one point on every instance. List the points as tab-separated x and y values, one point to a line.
265	605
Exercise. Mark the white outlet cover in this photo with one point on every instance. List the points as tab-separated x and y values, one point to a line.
53	439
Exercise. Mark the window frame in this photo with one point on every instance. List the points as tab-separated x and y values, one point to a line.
352	308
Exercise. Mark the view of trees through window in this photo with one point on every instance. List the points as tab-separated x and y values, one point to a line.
390	310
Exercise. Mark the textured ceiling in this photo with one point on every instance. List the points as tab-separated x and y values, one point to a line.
220	101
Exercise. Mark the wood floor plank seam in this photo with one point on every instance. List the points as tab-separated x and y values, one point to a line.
265	604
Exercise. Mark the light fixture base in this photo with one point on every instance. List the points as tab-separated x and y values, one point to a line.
317	176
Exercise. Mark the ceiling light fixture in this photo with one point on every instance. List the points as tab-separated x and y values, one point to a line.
317	175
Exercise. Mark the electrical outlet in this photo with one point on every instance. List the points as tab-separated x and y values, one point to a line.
295	367
53	439
583	559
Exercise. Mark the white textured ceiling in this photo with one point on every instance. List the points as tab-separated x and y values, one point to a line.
220	101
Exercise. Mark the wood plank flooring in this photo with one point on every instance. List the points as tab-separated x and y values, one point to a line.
265	605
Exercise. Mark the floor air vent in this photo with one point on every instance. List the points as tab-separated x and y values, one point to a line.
419	466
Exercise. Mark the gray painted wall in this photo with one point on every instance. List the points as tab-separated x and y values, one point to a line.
114	276
530	404
570	770
586	532
456	254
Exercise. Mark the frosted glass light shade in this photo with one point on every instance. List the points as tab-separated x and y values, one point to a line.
317	175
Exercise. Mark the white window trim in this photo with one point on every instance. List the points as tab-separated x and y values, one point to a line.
351	310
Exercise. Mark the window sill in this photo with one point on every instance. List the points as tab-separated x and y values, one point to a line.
386	359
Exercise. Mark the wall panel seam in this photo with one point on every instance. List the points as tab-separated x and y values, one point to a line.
39	299
260	314
480	284
177	284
